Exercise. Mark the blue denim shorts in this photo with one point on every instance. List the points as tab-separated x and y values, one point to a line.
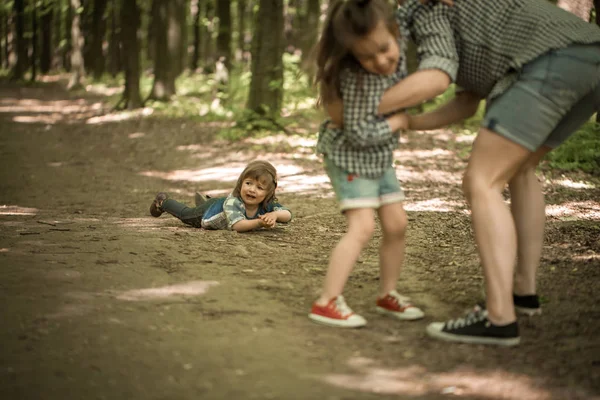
353	192
554	95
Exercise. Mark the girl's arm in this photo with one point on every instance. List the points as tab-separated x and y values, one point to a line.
246	225
282	215
463	105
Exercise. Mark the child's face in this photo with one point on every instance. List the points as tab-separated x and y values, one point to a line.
253	191
378	52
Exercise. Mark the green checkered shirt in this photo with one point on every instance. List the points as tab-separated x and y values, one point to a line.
366	145
482	44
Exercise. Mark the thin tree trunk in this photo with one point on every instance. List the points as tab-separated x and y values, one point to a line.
196	10
19	46
34	42
311	28
114	43
46	37
266	86
597	8
130	22
241	27
98	29
206	37
68	48
224	33
77	66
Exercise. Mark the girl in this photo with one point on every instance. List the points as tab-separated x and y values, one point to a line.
358	57
251	205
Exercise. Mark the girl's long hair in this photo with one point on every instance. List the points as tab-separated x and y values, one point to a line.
346	21
262	171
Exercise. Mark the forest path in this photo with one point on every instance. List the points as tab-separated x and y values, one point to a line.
102	301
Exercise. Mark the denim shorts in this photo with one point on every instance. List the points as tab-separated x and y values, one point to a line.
354	192
554	95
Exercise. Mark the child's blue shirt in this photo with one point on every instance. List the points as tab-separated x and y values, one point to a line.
225	212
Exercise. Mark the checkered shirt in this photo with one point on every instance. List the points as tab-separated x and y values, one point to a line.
366	144
483	44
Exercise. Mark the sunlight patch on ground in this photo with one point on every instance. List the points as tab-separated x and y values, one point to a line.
574	185
193	288
294	141
136	135
17	210
575	210
417	381
413	155
11	105
120	116
438	205
4	250
587	257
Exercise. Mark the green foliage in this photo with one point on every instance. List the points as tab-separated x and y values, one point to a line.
580	151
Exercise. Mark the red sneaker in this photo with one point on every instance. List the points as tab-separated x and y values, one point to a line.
336	313
398	306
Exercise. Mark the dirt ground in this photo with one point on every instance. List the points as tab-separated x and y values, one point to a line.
102	301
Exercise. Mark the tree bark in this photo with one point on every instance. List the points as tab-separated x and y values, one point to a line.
169	36
114	43
207	43
19	54
130	22
241	28
46	37
224	33
34	42
196	10
95	29
68	46
311	28
77	41
266	87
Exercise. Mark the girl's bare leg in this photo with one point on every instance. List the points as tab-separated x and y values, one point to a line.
361	224
391	252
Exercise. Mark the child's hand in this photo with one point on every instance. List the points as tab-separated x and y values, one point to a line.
268	220
399	122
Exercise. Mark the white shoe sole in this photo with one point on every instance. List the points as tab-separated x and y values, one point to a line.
434	330
405	316
356	321
530	312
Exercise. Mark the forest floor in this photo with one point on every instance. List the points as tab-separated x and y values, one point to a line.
102	301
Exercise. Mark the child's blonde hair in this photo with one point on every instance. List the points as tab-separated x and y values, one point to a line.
346	21
265	173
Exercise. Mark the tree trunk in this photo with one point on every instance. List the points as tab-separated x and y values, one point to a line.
224	33
266	86
206	37
77	41
68	46
34	42
46	33
196	10
19	54
169	25
130	22
311	28
581	8
114	43
95	29
241	27
597	8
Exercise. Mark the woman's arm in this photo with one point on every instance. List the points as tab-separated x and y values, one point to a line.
335	110
462	106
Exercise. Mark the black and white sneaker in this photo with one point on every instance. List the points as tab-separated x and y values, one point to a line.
527	305
475	328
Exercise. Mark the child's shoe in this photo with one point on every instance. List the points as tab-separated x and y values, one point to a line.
475	328
155	208
527	305
398	306
199	199
336	313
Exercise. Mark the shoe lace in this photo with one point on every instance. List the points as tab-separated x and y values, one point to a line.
402	301
341	306
474	316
